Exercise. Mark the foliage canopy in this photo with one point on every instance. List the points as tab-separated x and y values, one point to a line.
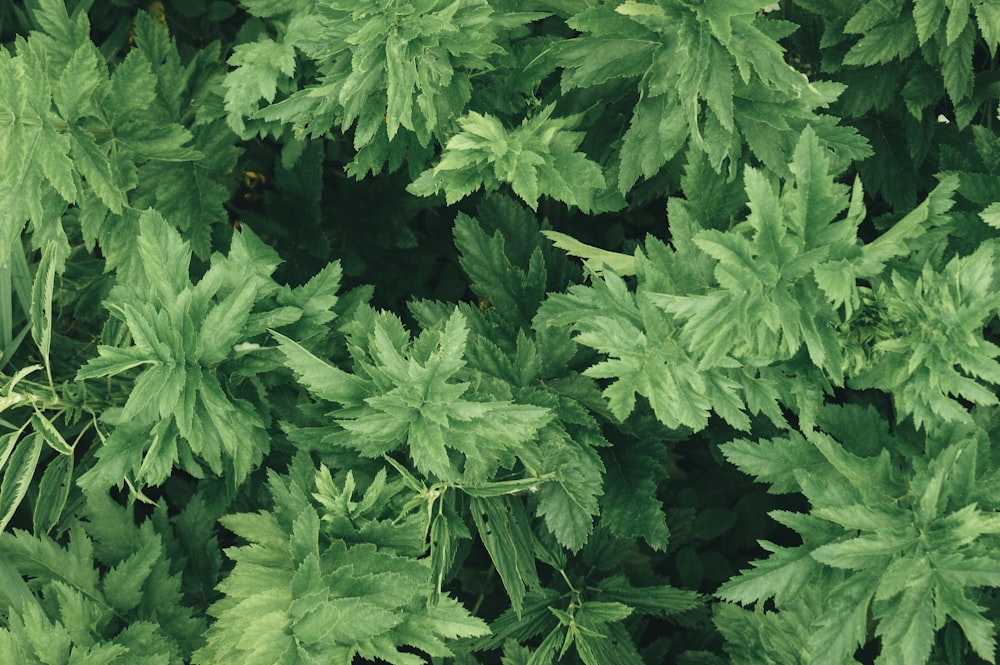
482	331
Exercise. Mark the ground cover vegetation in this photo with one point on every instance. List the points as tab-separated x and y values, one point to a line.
499	331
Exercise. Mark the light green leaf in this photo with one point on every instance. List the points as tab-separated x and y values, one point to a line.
538	158
223	326
19	471
991	215
781	576
113	360
41	300
77	83
988	19
50	434
321	378
165	256
595	258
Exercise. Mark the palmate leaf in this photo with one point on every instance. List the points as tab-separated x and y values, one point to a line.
768	282
108	593
178	400
938	352
293	593
903	550
644	356
395	77
538	158
708	75
408	393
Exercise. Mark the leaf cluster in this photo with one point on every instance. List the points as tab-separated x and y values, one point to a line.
694	361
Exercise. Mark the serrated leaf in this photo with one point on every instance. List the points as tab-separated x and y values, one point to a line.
781	576
864	552
656	133
631	507
988	19
53	491
956	65
165	256
539	157
884	43
660	601
160	142
223	325
113	360
772	461
991	215
595	60
505	531
123	584
324	380
50	434
927	15
258	68
41	300
18	472
570	521
77	82
907	629
95	166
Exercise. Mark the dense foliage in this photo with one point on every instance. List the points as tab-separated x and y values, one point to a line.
496	331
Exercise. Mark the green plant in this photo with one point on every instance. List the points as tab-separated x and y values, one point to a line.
267	396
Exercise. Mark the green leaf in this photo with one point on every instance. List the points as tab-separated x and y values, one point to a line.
165	256
908	631
594	258
321	378
223	325
656	133
53	491
123	584
884	43
340	599
112	360
41	300
44	427
631	507
258	68
957	69
77	82
659	601
988	19
515	287
505	531
991	215
783	575
18	473
539	158
773	461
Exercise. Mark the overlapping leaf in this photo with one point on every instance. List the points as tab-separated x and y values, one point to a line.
177	405
295	593
538	158
409	394
904	548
